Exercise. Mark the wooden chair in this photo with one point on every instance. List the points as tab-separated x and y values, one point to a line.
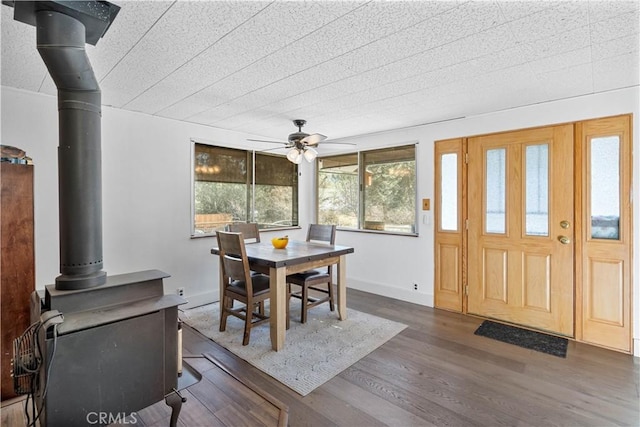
313	279
249	231
250	234
240	285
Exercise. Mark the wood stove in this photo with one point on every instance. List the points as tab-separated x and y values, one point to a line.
116	351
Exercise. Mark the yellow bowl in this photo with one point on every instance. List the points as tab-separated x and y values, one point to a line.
280	242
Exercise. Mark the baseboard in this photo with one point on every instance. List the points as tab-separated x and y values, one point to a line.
385	290
199	299
374	288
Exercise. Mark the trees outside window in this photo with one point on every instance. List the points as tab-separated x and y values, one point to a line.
373	190
338	195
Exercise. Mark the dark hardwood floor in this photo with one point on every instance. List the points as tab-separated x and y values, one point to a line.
435	372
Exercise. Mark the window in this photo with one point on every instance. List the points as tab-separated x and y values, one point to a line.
229	186
338	195
372	190
276	191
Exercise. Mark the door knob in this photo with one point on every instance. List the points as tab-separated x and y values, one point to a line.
564	224
564	240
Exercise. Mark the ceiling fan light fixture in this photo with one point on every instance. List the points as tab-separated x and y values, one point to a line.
300	144
294	156
310	154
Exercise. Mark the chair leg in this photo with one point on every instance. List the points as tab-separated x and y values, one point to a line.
247	333
224	314
261	307
331	297
304	302
247	324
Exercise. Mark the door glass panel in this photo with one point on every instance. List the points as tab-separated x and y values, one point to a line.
605	187
537	190
495	191
449	192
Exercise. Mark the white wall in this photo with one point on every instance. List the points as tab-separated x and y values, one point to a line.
147	188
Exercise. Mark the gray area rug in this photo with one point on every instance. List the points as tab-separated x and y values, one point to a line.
314	352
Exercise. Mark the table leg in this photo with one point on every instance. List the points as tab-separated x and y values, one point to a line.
342	288
278	306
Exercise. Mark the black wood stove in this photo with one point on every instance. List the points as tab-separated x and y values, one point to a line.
114	353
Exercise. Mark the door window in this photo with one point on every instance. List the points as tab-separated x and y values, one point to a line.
605	187
537	190
495	202
449	192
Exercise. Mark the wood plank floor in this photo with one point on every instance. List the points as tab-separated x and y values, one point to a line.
435	372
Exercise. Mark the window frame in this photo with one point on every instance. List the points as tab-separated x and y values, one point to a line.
360	154
250	182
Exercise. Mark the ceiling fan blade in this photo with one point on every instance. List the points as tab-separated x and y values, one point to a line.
270	142
313	139
339	143
272	149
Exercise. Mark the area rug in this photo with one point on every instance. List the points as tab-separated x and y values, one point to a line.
531	340
314	352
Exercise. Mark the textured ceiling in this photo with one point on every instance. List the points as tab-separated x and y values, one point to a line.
348	68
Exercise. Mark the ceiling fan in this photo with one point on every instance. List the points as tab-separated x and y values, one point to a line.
301	144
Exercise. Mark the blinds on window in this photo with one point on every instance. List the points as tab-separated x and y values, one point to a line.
275	170
218	164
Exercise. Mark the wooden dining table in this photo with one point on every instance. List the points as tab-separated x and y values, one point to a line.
298	256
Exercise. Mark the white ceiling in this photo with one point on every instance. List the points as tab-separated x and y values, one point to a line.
347	67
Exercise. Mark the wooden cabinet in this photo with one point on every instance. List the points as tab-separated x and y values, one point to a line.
17	266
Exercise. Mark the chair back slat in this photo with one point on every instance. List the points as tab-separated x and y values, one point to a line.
249	230
234	267
322	233
235	264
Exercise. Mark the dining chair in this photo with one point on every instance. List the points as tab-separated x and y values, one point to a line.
240	285
249	231
312	280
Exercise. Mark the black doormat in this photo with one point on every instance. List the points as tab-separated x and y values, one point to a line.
544	343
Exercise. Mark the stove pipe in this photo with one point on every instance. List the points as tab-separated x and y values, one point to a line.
63	28
61	40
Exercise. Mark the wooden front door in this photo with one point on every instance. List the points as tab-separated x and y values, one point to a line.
521	228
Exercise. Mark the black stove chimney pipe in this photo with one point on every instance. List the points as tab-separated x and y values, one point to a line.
61	41
63	28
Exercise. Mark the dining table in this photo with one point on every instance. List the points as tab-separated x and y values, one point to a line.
296	257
